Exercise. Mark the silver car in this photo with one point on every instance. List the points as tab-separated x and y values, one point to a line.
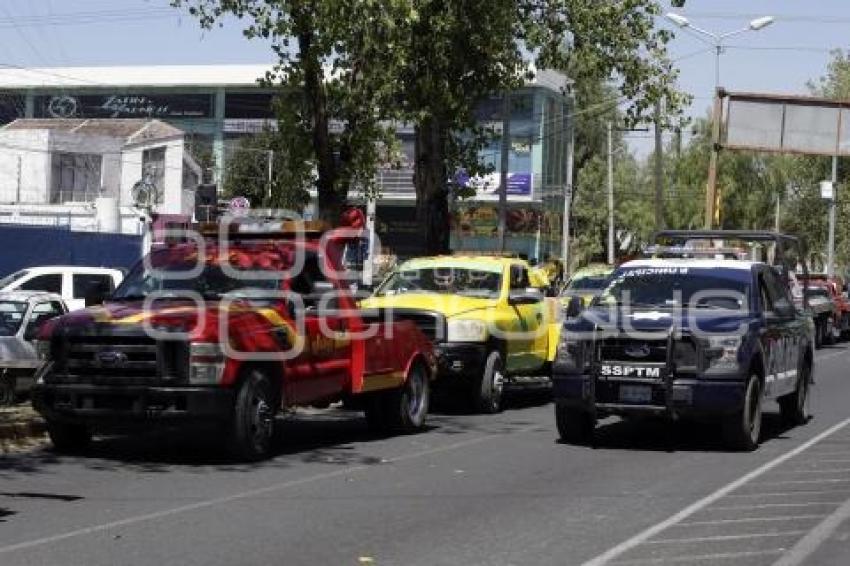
21	314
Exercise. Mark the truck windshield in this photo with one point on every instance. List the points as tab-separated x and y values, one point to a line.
449	280
589	283
212	283
682	287
11	316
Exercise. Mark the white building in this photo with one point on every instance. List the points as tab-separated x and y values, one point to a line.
82	172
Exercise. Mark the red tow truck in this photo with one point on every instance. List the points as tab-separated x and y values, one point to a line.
231	326
834	287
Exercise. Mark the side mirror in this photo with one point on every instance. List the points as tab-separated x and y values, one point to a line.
574	307
528	296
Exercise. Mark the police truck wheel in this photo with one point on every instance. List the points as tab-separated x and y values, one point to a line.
7	390
69	438
402	410
252	425
487	393
743	429
574	425
792	407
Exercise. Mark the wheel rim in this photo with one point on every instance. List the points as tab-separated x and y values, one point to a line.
416	394
261	422
754	413
497	385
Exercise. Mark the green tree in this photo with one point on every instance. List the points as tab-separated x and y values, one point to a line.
247	172
338	63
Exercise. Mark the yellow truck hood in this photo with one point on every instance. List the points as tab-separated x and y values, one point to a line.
447	305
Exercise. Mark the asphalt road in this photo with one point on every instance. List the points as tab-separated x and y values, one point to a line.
471	490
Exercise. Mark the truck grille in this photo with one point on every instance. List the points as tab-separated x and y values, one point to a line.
118	359
633	350
432	325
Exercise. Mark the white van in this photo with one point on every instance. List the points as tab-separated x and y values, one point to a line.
70	282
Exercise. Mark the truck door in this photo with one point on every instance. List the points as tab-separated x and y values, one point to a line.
527	341
327	345
783	336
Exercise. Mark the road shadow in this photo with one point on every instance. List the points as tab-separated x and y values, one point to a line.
4	513
662	435
334	436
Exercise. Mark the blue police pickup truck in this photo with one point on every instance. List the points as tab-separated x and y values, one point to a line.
686	336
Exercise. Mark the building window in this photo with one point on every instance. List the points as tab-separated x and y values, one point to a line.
76	177
153	168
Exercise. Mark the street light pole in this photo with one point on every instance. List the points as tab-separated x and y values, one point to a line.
830	254
610	194
716	41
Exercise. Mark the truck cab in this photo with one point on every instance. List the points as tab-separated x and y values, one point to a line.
230	327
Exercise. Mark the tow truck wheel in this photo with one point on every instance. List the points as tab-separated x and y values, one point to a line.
743	429
69	438
792	407
487	393
7	390
574	426
252	427
829	332
404	409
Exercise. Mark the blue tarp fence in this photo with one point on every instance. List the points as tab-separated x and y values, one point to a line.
30	246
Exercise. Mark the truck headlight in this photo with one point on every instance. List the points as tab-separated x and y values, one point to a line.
569	357
466	331
722	352
206	363
42	350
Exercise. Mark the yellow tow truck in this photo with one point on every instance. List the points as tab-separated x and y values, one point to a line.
492	325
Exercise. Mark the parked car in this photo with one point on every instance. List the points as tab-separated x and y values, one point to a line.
824	311
491	325
71	282
835	287
586	283
21	314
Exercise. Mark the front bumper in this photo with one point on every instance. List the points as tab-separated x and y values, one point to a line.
688	396
117	404
460	359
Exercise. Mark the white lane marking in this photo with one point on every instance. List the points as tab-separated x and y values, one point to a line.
803	482
771	506
813	471
798	553
789	493
751	520
646	534
244	494
700	557
724	537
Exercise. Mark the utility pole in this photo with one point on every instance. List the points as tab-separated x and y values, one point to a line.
503	180
18	190
568	188
270	173
659	170
610	194
711	187
778	213
830	254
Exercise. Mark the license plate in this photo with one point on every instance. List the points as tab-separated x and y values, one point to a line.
635	393
609	371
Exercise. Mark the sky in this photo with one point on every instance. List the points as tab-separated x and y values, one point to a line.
779	58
